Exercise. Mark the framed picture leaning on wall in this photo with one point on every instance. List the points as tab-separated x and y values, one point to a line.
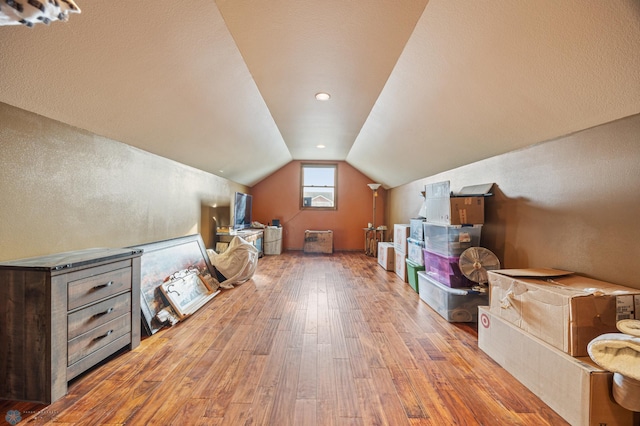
161	260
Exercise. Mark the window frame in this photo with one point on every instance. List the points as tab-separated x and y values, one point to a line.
308	165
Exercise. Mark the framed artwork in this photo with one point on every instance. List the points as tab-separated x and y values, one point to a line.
186	291
159	262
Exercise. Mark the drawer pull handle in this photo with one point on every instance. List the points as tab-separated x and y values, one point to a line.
99	314
104	335
98	287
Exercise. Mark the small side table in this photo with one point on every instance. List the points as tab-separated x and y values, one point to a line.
371	239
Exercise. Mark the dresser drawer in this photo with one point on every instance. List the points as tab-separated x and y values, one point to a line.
95	315
93	340
96	287
98	356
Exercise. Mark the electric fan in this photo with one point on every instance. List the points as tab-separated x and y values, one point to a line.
475	262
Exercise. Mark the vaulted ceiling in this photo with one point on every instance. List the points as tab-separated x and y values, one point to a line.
417	87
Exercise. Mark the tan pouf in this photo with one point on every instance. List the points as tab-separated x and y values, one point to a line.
626	392
629	326
618	353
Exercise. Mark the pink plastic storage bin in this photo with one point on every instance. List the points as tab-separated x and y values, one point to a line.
445	270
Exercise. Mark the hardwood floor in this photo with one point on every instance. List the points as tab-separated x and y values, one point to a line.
310	340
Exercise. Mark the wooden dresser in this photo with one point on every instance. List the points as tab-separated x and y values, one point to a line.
62	314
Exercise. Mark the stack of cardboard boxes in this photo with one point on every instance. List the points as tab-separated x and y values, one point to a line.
538	325
386	255
453	224
404	254
400	235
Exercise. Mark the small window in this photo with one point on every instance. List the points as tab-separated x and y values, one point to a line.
318	186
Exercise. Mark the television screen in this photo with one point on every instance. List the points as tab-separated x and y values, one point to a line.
242	211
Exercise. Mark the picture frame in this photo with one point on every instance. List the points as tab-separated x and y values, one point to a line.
187	292
159	261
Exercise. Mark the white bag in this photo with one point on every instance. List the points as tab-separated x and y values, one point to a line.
237	263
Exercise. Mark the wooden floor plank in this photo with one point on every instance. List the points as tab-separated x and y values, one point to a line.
348	322
226	386
311	321
326	412
249	378
305	412
370	406
265	341
191	412
434	408
338	342
388	397
346	396
271	373
262	406
309	340
326	388
237	414
359	364
308	377
162	404
284	403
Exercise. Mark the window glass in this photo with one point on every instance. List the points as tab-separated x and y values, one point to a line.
319	186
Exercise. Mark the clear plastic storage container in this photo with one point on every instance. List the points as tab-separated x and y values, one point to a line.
451	240
453	304
414	251
445	270
416	229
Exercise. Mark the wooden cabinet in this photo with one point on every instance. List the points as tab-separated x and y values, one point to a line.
62	314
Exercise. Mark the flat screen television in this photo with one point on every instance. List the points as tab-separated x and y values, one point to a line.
242	211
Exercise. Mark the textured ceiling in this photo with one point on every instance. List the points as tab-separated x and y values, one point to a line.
417	88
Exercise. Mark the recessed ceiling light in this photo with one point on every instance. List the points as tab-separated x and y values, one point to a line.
323	96
320	146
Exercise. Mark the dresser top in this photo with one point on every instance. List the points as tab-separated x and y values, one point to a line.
71	259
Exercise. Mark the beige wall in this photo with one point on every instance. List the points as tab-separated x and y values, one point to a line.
65	189
571	203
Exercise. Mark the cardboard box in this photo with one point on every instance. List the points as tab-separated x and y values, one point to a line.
464	208
575	388
401	232
453	304
318	241
566	311
401	265
386	256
